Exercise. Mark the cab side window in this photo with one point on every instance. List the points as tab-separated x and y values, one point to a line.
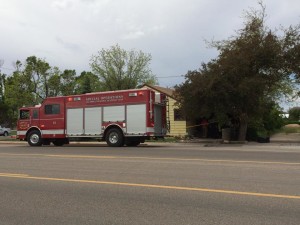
24	114
52	109
35	114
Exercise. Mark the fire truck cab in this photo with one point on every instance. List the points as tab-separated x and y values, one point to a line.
127	117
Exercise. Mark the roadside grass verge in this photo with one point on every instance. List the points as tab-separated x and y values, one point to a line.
290	129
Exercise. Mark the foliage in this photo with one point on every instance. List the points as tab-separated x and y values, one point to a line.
270	121
36	80
271	118
87	82
2	81
54	83
17	94
68	82
37	72
294	114
2	105
253	69
119	69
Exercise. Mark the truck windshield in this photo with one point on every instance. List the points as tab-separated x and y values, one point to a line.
24	114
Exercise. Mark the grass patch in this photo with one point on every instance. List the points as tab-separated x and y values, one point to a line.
290	129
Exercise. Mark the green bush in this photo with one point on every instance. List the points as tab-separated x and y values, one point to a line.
294	114
292	122
261	127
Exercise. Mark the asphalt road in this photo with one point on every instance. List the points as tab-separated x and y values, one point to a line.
151	184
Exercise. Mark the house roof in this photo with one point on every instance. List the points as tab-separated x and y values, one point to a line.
168	91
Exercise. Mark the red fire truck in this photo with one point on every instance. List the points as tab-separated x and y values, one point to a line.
126	117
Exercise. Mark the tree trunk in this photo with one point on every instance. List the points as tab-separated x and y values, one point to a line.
243	127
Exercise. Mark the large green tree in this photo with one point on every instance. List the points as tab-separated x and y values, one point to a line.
18	93
253	68
37	72
120	69
54	83
29	84
68	82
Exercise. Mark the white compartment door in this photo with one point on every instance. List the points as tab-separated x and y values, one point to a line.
114	113
93	121
136	119
75	121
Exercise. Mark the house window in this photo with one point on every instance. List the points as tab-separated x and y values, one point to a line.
52	109
178	115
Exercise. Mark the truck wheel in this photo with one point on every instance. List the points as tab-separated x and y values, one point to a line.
114	138
5	134
34	138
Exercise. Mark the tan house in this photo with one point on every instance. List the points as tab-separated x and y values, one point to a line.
177	123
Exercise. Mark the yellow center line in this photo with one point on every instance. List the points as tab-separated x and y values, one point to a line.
13	175
154	158
25	176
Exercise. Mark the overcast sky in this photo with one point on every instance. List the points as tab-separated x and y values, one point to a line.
66	33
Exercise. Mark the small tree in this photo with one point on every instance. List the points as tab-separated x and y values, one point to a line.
119	69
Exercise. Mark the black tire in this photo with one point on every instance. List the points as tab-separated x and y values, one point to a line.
5	134
34	138
114	137
59	142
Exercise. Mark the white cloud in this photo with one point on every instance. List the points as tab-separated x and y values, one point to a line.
133	35
62	4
